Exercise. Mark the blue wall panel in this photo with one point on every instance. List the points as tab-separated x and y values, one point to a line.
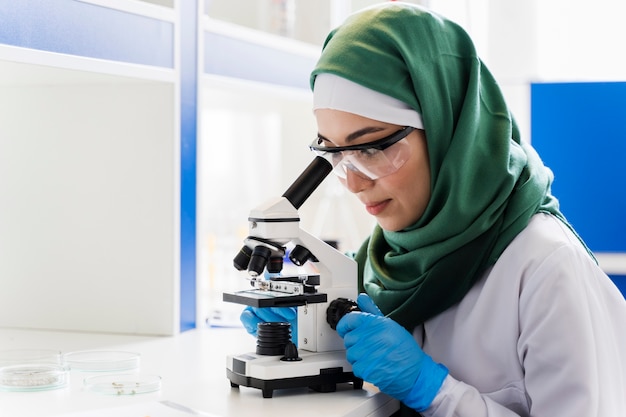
579	129
620	281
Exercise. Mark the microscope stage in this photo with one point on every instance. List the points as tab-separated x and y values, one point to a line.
260	298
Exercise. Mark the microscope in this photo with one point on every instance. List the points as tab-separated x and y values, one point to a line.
318	362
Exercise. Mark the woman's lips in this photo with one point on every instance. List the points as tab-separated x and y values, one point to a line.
376	208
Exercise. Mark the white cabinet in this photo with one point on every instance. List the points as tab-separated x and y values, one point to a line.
89	167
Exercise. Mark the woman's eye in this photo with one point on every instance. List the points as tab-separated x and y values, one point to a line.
368	153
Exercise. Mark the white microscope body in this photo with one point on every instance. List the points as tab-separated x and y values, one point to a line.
273	225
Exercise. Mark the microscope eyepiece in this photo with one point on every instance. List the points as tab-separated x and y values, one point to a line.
308	181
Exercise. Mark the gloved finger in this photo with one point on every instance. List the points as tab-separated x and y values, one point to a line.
288	313
367	305
273	314
351	322
250	321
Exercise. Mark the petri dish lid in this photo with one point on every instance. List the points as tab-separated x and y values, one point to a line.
102	360
123	384
31	356
32	377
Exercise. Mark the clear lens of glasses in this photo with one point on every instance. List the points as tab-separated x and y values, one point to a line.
370	164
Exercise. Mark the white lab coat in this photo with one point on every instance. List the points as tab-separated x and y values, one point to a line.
542	334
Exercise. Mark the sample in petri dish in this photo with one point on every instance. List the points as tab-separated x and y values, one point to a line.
123	384
32	377
32	370
102	360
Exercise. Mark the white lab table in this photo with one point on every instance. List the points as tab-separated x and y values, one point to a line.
192	366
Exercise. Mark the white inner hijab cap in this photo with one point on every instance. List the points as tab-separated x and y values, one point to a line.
337	93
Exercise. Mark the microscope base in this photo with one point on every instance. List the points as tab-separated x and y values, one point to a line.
318	371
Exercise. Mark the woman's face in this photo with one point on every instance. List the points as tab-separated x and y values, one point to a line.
397	200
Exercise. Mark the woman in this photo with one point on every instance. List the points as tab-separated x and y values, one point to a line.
479	299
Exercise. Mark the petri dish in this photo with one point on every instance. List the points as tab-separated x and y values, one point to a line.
17	356
102	360
123	384
32	370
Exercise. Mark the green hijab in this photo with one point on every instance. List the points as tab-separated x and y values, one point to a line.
486	183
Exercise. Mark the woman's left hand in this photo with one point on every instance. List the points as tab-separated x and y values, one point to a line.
385	354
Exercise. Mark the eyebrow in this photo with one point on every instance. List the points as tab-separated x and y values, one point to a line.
356	134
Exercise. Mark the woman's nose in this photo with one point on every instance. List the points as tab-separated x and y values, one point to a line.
356	182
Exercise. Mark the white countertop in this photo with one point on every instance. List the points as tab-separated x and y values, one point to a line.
192	366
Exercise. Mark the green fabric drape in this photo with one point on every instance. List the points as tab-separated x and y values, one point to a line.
486	183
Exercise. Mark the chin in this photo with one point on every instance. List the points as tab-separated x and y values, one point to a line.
389	226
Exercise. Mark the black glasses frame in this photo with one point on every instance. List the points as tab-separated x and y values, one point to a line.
380	144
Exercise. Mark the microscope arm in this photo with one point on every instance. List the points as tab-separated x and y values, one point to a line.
338	279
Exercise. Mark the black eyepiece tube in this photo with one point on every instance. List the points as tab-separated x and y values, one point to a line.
308	181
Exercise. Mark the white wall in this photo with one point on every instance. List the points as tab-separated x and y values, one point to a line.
88	202
580	40
535	41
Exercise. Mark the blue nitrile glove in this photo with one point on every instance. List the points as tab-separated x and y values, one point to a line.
252	316
385	354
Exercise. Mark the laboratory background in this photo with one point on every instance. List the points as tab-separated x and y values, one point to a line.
136	135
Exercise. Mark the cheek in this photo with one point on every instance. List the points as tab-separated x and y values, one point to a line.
412	188
421	193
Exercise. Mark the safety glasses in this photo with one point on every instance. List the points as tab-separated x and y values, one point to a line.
371	160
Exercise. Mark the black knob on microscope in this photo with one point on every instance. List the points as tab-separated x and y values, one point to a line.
339	308
291	353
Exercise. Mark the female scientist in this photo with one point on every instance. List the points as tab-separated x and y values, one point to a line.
479	299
